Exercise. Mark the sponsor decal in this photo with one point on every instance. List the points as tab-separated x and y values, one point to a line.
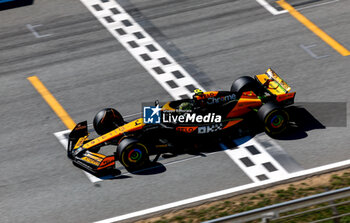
94	162
209	128
137	122
80	127
186	129
107	161
221	99
80	142
94	157
285	96
206	95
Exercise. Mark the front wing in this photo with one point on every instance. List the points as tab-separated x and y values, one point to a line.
93	162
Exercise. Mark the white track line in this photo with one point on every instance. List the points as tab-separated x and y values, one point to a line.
316	5
64	141
222	192
269	8
157	62
274	11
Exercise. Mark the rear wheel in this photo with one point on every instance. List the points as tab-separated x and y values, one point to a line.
132	154
243	84
274	118
107	120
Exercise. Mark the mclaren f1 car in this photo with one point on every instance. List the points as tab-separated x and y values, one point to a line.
265	96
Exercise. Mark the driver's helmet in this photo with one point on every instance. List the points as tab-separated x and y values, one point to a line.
185	106
198	91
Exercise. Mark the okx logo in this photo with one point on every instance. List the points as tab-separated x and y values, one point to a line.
151	114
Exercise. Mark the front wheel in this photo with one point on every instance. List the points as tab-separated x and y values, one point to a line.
107	120
274	118
132	154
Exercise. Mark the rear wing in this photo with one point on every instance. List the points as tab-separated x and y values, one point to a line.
273	76
276	86
273	82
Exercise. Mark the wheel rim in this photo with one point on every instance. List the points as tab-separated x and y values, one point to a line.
134	155
277	121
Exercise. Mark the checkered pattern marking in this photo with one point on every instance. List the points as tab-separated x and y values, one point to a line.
162	67
253	159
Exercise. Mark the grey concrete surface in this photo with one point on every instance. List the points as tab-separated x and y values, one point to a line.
86	69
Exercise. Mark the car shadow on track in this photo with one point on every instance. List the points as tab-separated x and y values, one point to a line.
302	121
308	116
122	173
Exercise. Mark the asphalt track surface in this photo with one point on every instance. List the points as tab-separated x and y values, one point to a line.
87	69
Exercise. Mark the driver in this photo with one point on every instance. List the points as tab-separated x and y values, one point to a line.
187	106
198	92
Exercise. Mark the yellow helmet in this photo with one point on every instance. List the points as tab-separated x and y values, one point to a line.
198	91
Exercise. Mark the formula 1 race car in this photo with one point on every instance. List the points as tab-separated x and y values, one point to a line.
207	113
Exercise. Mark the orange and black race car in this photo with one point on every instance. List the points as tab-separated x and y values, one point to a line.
207	113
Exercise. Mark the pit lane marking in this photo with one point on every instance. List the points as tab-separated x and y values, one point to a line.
315	29
274	11
52	102
36	33
309	51
269	8
224	192
61	113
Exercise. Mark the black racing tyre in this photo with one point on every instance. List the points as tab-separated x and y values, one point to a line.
274	118
132	154
244	83
107	120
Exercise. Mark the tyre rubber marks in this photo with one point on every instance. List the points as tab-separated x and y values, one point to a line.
158	63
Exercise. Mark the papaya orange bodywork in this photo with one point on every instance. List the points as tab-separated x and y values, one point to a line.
283	97
232	123
244	105
129	127
108	161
